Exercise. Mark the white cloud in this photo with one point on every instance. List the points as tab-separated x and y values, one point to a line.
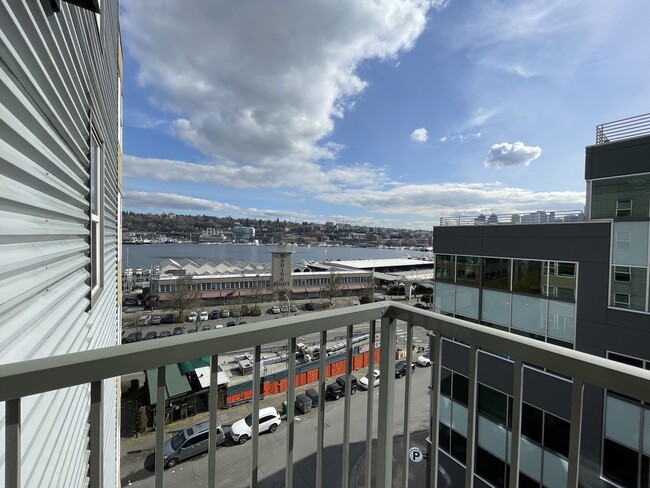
419	135
506	154
261	83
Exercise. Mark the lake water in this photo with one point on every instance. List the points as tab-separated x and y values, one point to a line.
148	256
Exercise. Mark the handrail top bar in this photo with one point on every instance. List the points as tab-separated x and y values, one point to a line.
45	374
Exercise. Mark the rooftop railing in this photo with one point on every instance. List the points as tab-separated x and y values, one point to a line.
636	126
540	217
32	377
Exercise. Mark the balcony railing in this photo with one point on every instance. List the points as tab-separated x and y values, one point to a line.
32	377
636	126
540	217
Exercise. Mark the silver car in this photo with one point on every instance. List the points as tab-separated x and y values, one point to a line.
190	442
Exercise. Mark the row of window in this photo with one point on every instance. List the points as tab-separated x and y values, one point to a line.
345	280
539	318
626	443
554	279
544	441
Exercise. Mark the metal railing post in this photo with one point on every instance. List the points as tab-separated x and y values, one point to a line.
370	404
12	443
575	433
320	436
471	418
291	408
213	406
517	395
345	470
96	437
386	404
435	354
256	416
407	407
160	426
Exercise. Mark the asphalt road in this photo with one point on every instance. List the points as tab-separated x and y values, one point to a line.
234	461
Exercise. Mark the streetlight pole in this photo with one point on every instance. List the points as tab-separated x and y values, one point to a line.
288	303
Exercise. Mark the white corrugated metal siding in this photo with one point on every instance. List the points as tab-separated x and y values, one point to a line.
54	69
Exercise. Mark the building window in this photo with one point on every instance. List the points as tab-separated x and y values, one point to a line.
623	208
496	273
622	274
568	270
526	277
622	300
623	240
96	213
445	267
468	270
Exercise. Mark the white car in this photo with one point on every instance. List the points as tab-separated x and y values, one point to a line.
242	430
225	312
363	382
204	316
192	317
275	309
424	360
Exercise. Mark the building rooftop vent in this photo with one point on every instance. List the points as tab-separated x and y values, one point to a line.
636	126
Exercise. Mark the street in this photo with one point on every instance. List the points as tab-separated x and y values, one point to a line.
234	461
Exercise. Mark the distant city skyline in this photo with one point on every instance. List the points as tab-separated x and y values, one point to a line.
387	114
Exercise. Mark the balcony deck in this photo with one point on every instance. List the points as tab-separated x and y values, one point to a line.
19	380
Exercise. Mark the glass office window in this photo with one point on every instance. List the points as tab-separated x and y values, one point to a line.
445	297
527	277
496	273
467	301
468	269
555	471
445	264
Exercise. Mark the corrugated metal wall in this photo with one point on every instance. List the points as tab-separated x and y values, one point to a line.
54	69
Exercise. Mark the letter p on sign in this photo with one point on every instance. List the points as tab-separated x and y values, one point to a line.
415	454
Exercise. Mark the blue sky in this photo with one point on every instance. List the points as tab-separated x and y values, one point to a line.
386	113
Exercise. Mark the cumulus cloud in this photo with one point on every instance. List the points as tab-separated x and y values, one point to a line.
419	135
506	154
261	83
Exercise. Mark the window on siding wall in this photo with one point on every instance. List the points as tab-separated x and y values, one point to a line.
623	208
96	213
622	274
622	300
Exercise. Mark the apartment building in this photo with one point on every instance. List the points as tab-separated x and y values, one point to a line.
579	285
60	214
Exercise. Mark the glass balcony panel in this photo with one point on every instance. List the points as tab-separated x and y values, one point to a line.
630	246
622	421
528	314
492	437
496	307
646	431
530	459
555	470
561	320
445	410
467	301
445	297
459	418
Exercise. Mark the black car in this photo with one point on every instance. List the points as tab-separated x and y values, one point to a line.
168	319
400	368
177	331
231	323
310	307
337	389
150	335
164	333
214	315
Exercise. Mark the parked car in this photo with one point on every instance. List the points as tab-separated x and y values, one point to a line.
242	430
204	316
191	331
192	317
337	389
284	309
177	331
365	381
168	318
190	442
218	326
310	307
132	337
225	313
231	323
400	368
424	360
293	308
275	309
150	335
144	320
214	315
206	327
164	333
156	320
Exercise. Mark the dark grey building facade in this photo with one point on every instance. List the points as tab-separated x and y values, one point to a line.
580	285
